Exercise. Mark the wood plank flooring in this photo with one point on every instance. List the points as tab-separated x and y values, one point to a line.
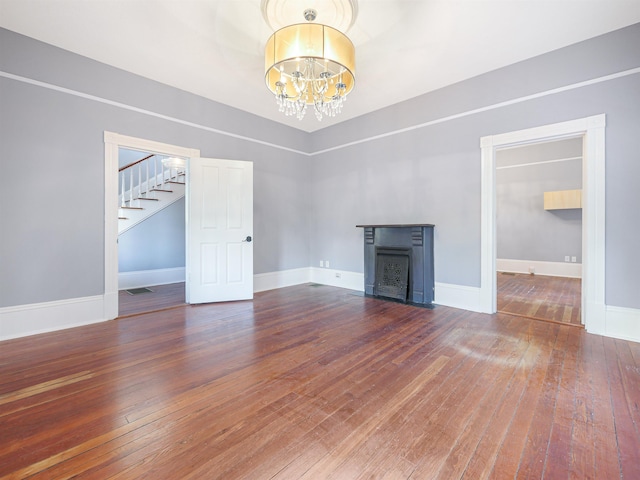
160	297
553	299
316	382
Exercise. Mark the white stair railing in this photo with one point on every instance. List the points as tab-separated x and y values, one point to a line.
147	186
139	180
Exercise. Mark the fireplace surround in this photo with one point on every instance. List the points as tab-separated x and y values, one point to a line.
398	262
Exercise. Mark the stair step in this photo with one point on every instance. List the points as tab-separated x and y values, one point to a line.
145	198
132	208
123	218
177	183
161	190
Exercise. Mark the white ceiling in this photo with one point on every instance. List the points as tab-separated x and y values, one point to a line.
404	48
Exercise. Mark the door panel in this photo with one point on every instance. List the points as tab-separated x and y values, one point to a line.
219	220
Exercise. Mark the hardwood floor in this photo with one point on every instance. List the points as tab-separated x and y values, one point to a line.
553	299
316	382
160	297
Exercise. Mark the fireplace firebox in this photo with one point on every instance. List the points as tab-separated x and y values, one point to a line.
398	262
392	273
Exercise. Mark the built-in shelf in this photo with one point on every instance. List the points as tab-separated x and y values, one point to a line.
563	199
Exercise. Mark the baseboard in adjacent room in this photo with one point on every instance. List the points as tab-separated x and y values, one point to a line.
552	269
147	278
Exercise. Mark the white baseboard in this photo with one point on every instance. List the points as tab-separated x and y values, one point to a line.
552	269
298	276
146	278
24	320
338	278
623	323
283	278
458	296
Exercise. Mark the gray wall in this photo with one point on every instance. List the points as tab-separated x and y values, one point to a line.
306	209
157	242
126	156
419	161
525	231
52	149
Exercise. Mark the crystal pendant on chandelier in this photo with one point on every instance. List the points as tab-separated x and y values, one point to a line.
310	64
311	81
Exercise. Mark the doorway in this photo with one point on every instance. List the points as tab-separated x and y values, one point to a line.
219	223
592	129
539	230
114	142
151	232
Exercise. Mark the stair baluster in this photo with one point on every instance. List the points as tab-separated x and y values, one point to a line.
123	202
131	187
155	172
163	175
146	164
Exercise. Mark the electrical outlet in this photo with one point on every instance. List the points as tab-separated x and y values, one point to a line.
326	263
574	259
322	263
566	258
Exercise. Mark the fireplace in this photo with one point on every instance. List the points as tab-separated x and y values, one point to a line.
398	262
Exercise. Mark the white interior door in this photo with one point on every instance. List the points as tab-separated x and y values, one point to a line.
219	231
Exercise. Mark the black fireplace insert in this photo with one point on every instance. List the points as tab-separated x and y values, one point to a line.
392	273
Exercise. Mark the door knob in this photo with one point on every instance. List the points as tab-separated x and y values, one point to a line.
248	239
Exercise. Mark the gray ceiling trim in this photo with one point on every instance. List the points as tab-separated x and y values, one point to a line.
436	121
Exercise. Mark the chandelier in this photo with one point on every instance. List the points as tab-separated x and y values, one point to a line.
310	64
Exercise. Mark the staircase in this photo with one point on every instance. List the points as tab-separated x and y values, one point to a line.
147	186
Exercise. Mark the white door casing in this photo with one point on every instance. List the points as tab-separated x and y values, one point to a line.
113	141
592	130
219	198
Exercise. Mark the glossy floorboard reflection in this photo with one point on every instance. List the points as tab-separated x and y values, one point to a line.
317	383
553	299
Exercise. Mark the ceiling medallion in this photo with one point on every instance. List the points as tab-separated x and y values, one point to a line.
310	63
